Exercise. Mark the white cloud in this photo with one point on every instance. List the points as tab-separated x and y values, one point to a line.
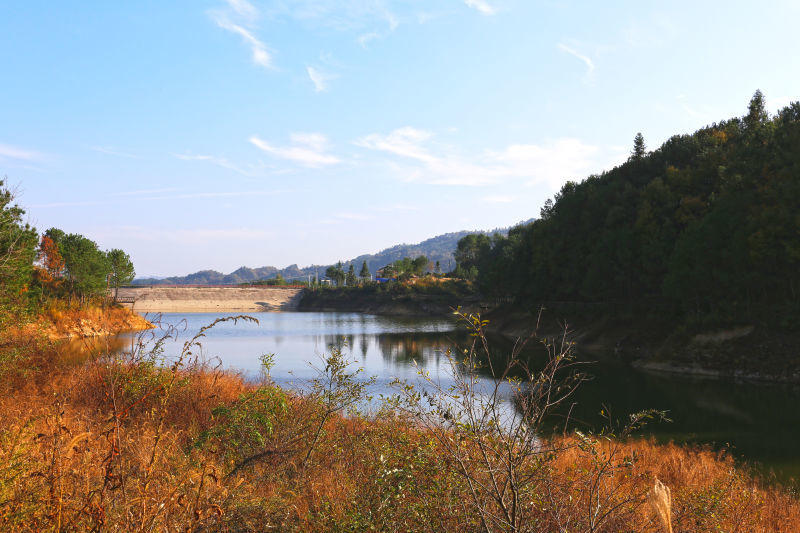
8	151
364	39
245	15
259	50
245	9
307	149
481	5
553	162
319	79
219	161
584	58
418	158
404	142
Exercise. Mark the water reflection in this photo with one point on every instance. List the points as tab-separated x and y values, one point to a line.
761	422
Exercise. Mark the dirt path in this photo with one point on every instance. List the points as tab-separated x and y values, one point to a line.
203	299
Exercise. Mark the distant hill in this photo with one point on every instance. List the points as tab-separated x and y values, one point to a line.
439	248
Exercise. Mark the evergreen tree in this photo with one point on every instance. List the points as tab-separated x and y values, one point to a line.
705	226
639	148
86	266
18	243
756	111
364	274
121	269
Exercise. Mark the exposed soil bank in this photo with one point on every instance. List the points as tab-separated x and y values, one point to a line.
58	324
204	299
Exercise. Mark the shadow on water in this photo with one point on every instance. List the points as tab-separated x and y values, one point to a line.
756	422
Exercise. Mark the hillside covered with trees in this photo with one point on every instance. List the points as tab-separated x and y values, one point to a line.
705	229
440	248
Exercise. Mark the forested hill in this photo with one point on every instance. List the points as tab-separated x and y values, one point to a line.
706	227
439	248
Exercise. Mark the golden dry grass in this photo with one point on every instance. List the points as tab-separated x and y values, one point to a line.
124	445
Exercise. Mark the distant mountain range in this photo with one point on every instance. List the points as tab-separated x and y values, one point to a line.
439	248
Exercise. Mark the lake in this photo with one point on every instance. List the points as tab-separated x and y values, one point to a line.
759	422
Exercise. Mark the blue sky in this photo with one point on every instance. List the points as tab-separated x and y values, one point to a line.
215	134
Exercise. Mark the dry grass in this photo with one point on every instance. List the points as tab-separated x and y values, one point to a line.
126	445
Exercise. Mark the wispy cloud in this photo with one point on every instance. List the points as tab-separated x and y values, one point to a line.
418	158
8	151
365	38
584	58
307	149
368	19
240	18
481	5
113	151
244	9
218	161
319	78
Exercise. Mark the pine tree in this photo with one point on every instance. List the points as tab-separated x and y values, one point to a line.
639	148
364	274
756	111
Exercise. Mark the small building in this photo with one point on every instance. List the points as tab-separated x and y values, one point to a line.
383	271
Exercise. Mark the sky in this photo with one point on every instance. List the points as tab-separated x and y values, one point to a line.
215	134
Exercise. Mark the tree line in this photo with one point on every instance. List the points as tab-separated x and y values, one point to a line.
400	269
706	227
57	265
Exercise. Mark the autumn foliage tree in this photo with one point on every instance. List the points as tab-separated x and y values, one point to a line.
50	269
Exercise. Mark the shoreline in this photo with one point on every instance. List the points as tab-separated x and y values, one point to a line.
646	346
210	299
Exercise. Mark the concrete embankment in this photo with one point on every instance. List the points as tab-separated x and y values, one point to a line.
203	299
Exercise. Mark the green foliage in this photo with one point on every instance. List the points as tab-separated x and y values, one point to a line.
86	266
336	273
18	242
706	225
639	148
407	267
244	428
350	277
122	270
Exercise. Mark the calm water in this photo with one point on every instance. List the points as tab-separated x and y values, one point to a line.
759	422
